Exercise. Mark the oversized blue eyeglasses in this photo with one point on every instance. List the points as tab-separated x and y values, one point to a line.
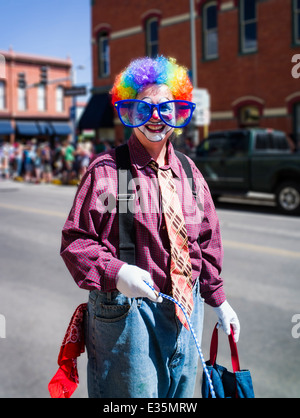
175	113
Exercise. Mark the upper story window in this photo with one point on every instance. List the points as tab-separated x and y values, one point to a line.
21	91
296	21
248	26
152	37
22	98
2	95
59	97
41	92
210	30
103	55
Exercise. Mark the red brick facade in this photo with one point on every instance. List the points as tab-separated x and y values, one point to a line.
262	78
15	63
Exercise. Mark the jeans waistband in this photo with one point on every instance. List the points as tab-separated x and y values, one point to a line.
107	297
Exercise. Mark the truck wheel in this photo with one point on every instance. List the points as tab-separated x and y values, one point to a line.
288	197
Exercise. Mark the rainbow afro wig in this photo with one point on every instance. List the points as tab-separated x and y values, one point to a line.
144	71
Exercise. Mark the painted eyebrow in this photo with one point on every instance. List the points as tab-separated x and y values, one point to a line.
162	100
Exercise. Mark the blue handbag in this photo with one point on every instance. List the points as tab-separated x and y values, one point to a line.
236	384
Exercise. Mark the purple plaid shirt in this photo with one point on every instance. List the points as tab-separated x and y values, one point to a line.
90	235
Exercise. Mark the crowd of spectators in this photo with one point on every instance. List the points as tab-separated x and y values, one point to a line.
38	162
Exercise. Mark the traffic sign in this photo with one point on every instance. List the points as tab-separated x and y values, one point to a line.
202	112
75	91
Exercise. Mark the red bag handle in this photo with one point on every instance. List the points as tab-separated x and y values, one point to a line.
233	349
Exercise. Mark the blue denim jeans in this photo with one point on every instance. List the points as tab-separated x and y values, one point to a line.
138	348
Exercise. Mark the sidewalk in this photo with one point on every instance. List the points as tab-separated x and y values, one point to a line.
55	181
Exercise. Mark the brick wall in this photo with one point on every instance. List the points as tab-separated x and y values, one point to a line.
264	75
30	65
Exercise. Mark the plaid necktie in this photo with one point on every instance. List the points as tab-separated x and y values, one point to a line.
181	267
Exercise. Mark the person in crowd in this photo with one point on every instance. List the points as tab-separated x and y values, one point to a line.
84	154
37	161
68	153
46	163
29	157
18	158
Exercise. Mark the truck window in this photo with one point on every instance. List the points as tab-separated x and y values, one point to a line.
238	146
280	142
271	142
262	142
231	144
213	147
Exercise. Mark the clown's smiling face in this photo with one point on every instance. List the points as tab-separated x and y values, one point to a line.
155	130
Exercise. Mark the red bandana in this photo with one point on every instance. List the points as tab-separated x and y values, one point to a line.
65	381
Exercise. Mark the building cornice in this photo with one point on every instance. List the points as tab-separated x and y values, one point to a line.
35	59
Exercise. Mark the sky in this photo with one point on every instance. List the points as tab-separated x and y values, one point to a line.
54	28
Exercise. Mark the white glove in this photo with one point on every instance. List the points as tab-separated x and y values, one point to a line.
131	282
226	317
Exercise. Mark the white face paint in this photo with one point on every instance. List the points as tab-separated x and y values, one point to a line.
155	130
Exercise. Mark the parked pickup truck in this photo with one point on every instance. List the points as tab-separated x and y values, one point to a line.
258	160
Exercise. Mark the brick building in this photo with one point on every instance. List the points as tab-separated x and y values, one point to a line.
32	102
244	53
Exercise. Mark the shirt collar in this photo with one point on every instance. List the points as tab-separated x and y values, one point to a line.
138	154
141	158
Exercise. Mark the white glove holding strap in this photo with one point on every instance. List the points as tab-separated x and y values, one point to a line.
226	317
130	282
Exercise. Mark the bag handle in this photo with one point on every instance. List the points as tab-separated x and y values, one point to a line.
233	349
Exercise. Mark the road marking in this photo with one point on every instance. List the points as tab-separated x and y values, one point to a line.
34	210
226	243
261	249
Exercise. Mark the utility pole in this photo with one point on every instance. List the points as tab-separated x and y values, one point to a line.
193	44
193	61
74	103
74	107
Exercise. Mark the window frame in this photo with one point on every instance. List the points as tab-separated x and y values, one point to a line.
151	44
2	95
59	99
269	142
206	32
295	27
242	25
251	121
41	98
103	54
22	99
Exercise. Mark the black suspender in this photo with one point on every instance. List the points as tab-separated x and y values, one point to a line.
126	227
125	216
188	170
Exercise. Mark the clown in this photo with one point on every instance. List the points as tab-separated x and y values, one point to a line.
137	344
153	97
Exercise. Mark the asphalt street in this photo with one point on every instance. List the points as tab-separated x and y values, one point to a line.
38	295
